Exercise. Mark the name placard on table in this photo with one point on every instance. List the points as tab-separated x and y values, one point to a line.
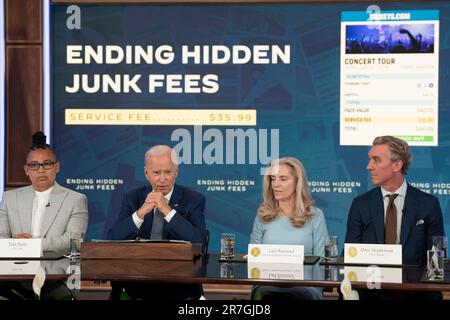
8	267
382	254
268	270
20	248
275	253
374	274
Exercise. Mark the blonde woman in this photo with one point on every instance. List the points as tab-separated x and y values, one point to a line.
287	216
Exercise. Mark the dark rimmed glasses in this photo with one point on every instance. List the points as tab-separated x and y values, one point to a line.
47	165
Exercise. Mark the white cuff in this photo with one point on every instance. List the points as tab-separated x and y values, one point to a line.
170	215
137	221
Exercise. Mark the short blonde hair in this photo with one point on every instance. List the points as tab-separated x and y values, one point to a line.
269	208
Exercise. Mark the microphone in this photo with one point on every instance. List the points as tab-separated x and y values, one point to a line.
47	205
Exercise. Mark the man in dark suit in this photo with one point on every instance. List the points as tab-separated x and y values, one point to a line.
162	210
395	212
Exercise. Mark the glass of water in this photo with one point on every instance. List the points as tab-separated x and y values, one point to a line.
75	241
331	249
227	245
331	273
226	270
435	264
441	243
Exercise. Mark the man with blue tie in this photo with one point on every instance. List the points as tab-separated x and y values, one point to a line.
161	210
395	212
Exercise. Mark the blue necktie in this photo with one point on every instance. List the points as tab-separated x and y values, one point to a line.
158	224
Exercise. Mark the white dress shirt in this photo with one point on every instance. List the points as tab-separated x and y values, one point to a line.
399	204
138	221
40	202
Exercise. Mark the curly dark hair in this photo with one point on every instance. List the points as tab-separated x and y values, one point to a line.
39	142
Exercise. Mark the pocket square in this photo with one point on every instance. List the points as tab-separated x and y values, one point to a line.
420	222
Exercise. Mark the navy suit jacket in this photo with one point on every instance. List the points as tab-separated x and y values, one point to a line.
421	220
187	224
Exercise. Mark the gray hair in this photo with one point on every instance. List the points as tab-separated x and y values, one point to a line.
160	150
398	148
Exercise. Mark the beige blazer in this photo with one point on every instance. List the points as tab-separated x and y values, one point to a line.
66	213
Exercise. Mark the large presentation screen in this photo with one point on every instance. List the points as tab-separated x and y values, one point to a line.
390	76
232	86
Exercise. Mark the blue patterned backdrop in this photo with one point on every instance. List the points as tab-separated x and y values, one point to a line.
300	99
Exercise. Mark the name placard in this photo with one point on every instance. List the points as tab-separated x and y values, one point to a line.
19	267
382	254
267	270
275	253
20	248
374	275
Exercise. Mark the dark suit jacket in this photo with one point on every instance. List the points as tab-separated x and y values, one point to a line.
187	224
365	222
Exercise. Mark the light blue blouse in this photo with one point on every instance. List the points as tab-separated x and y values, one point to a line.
281	231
